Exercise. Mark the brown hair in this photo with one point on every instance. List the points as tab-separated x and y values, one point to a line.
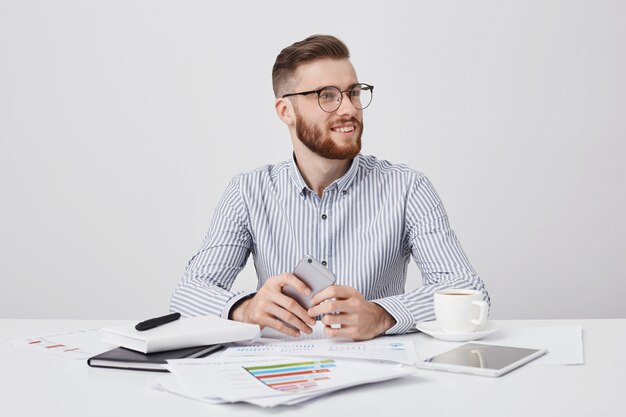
312	48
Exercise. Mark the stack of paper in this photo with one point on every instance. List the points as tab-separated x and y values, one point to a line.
274	380
271	372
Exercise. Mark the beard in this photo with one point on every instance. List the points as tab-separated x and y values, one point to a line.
321	143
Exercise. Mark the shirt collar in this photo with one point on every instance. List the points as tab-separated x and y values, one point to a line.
343	183
296	177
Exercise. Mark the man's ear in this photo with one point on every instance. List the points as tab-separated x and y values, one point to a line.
285	111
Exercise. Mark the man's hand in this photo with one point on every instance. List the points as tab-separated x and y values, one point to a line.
269	306
360	319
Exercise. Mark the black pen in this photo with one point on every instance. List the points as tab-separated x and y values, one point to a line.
157	321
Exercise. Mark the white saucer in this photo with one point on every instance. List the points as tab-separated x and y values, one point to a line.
432	328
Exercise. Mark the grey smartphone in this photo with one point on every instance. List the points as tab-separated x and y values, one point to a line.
315	275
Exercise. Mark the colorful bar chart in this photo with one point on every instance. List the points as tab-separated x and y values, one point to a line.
295	376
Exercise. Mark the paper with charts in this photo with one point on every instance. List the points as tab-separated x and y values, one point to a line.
380	350
78	344
270	381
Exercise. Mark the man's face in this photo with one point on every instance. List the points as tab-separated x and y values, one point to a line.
334	135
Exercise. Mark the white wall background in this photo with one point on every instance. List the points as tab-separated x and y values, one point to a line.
122	121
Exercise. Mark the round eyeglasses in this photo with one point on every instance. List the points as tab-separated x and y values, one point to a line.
330	98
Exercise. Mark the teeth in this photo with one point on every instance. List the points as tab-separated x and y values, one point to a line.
344	129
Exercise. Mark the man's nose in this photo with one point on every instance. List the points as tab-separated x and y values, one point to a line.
346	107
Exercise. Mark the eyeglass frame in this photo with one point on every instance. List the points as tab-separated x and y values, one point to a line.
318	91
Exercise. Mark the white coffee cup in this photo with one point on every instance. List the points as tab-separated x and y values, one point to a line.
460	310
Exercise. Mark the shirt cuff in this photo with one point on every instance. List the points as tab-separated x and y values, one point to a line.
234	300
404	319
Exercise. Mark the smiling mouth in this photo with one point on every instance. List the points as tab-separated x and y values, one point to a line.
343	129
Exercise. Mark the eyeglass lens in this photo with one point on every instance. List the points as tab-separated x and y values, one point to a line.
330	97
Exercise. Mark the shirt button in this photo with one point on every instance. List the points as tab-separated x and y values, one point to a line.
344	192
324	217
324	263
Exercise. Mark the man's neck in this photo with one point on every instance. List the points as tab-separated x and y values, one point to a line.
319	172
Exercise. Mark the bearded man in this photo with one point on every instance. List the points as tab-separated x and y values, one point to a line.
361	217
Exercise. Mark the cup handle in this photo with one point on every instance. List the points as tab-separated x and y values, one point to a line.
484	310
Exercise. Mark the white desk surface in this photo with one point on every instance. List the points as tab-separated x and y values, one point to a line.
38	384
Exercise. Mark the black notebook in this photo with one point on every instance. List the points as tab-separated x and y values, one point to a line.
122	358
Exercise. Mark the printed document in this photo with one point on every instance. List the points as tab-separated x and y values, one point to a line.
269	381
78	344
378	349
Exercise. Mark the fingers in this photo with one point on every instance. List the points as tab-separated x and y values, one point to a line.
290	279
284	328
287	315
347	314
267	320
266	313
271	308
346	326
288	305
334	291
336	299
338	305
340	332
326	307
276	284
336	319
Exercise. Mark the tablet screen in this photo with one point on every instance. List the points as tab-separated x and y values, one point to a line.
475	355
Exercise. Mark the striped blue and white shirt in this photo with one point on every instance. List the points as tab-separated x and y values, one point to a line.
365	228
